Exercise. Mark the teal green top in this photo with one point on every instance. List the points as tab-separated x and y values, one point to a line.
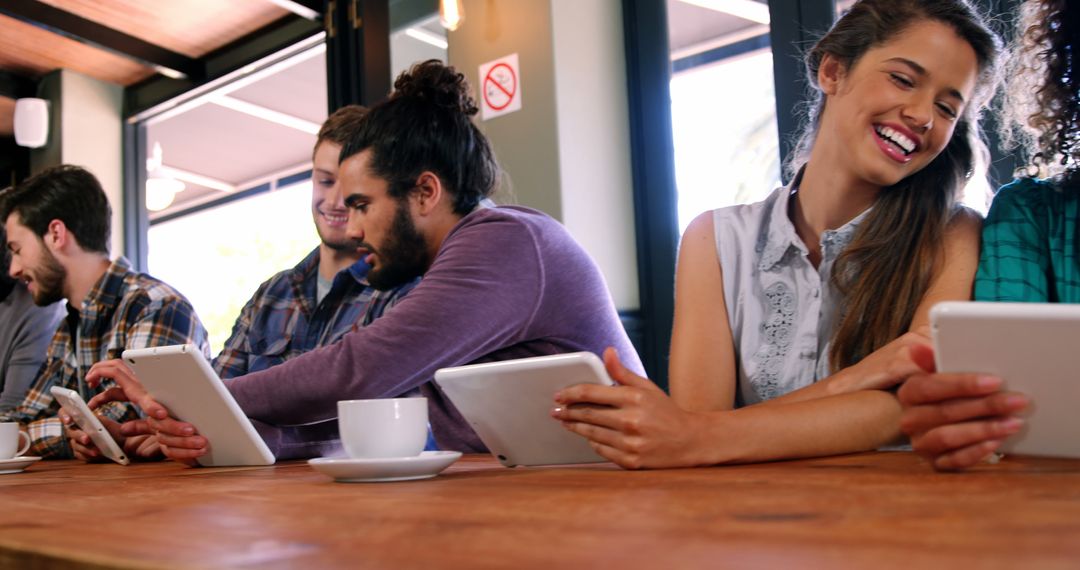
1029	247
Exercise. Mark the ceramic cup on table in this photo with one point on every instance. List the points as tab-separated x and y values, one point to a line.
392	427
10	439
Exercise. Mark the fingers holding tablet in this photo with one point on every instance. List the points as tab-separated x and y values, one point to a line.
128	387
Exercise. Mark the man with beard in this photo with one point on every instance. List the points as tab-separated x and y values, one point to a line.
324	296
57	225
25	330
499	283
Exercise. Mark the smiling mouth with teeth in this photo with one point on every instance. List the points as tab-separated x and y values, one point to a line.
335	219
906	145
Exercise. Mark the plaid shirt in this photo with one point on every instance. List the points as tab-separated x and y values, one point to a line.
124	310
283	318
1030	247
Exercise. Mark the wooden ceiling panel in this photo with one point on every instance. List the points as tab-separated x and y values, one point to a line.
33	52
7	117
191	27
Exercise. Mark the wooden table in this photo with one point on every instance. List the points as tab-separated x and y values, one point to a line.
869	510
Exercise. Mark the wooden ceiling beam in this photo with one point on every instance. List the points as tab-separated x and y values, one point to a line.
88	32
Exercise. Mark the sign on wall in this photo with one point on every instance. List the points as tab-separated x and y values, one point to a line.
500	87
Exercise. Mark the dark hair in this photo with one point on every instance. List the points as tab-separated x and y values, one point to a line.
426	125
6	282
1043	96
340	125
896	249
66	193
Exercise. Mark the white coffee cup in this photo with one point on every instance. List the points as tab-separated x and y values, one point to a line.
392	427
9	441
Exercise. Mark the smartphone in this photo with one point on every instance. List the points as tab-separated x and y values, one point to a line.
80	413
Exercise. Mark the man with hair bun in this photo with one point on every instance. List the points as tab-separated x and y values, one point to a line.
499	282
325	295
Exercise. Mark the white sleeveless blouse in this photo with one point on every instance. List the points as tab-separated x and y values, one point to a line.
780	308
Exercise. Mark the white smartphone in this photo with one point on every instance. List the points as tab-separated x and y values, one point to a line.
83	417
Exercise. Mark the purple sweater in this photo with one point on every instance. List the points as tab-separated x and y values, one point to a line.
508	282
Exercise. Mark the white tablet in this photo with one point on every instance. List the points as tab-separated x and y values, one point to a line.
1033	348
508	403
179	378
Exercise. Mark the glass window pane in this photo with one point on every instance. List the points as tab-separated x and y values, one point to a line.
218	257
722	105
726	145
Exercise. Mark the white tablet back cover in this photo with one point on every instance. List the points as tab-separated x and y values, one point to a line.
179	378
1035	349
508	403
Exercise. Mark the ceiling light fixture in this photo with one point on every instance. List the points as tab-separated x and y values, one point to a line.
426	37
451	14
745	9
161	188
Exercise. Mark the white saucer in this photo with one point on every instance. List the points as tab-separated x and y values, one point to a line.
347	470
17	464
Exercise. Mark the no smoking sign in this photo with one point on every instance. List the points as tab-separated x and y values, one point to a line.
500	87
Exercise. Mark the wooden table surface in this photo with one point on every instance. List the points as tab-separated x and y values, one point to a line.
868	510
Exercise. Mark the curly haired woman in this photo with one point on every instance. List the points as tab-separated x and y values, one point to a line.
1031	250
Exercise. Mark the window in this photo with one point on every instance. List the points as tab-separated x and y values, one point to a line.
723	105
726	145
238	160
217	257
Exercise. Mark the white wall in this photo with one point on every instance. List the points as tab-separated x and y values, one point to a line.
91	137
594	138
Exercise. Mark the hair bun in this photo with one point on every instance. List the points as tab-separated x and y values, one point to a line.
438	84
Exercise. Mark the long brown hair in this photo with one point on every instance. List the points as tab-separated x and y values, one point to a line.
886	270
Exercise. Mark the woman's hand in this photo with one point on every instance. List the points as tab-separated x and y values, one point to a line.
882	369
956	420
635	425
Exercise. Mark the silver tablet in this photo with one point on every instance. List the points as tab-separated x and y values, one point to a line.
180	379
1033	348
508	403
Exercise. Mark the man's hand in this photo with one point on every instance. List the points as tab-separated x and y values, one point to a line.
139	446
80	442
175	439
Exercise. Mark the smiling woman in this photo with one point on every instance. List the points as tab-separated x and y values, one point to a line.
810	298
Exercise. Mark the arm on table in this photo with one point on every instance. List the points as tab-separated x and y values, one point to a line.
442	322
640	427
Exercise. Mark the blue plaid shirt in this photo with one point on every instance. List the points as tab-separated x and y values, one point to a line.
283	319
